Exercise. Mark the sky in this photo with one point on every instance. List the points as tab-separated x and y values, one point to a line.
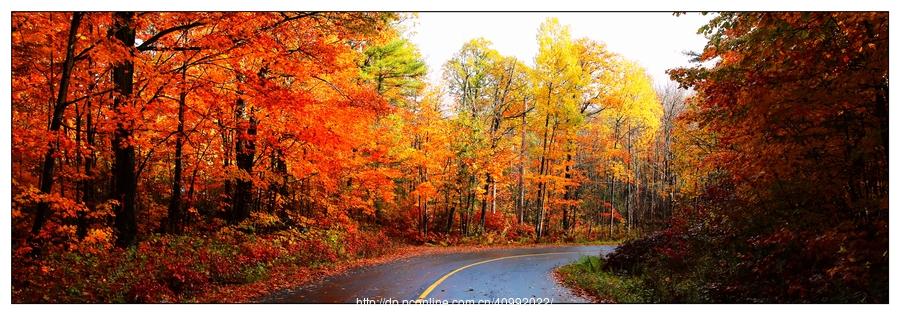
656	41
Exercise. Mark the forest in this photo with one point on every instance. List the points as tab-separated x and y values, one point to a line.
187	156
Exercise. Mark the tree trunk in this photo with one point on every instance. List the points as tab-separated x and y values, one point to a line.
425	217
59	108
520	200
493	196
123	169
228	136
88	189
568	194
450	211
80	216
193	180
176	213
612	204
484	201
471	207
245	151
541	184
423	174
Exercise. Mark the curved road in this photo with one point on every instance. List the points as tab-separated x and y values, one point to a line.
474	277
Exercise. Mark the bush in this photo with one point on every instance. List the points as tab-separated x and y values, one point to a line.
165	268
721	263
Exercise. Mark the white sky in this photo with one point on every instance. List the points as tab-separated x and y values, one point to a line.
654	40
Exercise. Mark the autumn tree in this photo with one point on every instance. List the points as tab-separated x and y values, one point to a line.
797	105
59	108
490	91
555	80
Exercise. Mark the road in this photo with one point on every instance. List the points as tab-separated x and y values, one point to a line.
474	276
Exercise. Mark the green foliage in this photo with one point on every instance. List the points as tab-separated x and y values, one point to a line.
396	69
591	263
607	287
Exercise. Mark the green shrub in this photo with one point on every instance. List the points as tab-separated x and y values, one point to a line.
588	274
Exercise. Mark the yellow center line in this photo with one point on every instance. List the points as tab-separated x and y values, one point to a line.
439	281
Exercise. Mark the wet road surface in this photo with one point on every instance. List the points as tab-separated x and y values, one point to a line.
526	276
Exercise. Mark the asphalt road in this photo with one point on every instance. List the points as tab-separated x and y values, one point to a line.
474	277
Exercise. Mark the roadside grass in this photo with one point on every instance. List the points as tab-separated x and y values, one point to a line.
480	241
588	277
601	242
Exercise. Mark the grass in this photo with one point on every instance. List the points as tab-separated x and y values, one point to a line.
588	277
601	242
